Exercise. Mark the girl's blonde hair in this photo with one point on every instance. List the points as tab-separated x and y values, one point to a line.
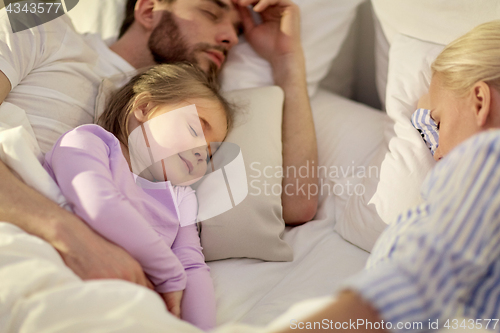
471	58
161	84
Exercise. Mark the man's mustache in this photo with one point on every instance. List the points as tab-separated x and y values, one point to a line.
209	47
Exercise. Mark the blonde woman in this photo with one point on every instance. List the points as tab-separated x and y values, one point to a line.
441	259
151	213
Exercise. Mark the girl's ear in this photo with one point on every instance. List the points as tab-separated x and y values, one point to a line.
141	109
482	102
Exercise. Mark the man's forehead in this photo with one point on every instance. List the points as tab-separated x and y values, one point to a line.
228	6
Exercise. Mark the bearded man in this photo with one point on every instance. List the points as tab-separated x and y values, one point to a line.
52	73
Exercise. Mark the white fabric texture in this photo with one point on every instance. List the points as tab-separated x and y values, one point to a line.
41	105
382	47
43	81
245	68
416	32
434	21
254	292
409	160
40	294
19	150
97	16
350	139
254	228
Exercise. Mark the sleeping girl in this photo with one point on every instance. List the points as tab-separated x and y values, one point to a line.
159	126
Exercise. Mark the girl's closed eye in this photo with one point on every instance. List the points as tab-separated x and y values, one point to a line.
193	131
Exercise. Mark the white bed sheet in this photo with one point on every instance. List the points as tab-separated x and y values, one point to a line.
256	292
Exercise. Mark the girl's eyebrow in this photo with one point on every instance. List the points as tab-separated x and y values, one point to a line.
204	123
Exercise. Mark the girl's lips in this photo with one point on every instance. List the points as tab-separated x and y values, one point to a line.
188	164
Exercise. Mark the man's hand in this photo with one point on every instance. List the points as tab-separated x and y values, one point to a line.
277	40
279	34
173	302
89	255
92	257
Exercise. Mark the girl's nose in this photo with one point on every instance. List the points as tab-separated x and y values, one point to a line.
200	152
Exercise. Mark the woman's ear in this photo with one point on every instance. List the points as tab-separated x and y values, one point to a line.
481	99
141	108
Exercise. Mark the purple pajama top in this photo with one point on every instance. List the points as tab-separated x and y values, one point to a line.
88	165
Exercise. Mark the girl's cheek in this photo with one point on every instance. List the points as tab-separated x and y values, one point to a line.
203	170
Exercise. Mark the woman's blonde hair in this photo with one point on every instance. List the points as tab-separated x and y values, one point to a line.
471	58
161	84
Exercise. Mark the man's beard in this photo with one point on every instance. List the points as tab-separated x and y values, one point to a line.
167	45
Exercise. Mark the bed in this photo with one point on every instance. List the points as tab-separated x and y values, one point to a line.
351	83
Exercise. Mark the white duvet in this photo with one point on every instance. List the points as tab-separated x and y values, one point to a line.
38	293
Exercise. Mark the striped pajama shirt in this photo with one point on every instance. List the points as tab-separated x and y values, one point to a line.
441	259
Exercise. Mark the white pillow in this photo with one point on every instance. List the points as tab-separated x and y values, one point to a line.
325	26
254	227
350	137
97	16
403	159
434	21
408	160
382	48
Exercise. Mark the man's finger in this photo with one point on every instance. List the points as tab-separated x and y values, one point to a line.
176	311
258	5
264	4
149	284
244	3
246	19
143	280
